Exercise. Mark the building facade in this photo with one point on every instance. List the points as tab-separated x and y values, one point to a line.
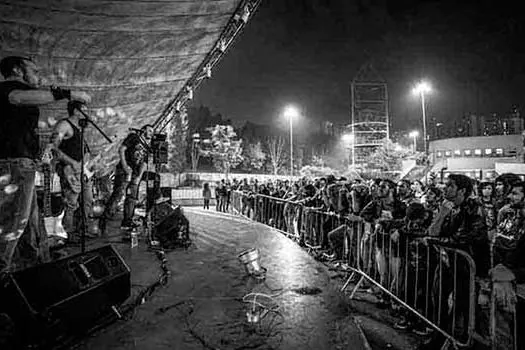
481	157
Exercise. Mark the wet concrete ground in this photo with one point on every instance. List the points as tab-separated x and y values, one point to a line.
201	307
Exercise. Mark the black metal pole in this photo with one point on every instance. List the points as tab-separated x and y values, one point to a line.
83	124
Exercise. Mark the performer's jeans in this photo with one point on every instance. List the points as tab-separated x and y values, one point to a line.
71	187
123	185
23	240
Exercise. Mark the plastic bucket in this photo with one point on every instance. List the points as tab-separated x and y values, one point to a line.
250	259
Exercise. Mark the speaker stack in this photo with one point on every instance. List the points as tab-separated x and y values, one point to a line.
66	296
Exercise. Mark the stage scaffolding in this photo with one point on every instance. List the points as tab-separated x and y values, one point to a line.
369	114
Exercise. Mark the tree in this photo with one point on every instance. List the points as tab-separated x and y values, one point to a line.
225	151
389	156
177	131
275	146
254	155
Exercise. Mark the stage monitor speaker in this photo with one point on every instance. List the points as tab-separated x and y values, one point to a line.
67	295
171	227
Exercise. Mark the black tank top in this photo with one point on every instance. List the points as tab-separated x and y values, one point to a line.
71	146
18	124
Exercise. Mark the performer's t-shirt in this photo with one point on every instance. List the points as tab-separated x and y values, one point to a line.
18	125
136	152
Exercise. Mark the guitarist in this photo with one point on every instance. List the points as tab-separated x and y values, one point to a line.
21	227
67	148
133	157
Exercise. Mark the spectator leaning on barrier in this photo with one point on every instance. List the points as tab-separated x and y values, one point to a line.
414	227
509	265
337	235
385	207
460	223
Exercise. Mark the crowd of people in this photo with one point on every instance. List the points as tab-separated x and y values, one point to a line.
485	219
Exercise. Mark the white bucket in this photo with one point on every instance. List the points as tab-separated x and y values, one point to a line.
250	259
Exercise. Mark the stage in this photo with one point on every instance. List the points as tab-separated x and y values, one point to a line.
201	305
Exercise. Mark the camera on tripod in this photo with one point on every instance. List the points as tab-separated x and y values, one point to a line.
159	147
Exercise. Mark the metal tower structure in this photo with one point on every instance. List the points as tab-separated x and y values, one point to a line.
369	115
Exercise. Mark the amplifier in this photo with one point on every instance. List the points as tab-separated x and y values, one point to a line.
66	295
171	227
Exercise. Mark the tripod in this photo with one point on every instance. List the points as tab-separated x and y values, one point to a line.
83	122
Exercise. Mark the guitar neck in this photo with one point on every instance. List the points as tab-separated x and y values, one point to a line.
46	169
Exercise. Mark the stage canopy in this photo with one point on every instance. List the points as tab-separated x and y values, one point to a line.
133	56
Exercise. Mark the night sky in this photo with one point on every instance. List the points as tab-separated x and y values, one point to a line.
306	52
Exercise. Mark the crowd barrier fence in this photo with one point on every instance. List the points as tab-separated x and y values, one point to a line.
435	283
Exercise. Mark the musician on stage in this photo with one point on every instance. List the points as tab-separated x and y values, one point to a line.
21	229
67	150
133	155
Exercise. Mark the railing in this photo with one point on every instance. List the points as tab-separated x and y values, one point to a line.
278	213
434	283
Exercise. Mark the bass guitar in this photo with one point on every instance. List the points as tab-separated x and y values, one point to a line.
52	220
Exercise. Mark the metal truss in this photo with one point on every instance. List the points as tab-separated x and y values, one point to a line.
236	24
369	114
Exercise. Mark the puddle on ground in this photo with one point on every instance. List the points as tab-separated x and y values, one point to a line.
307	290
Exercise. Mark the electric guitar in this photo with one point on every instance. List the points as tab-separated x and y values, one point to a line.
52	221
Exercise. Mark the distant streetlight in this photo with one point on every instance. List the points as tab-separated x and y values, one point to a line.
414	134
291	112
347	138
421	89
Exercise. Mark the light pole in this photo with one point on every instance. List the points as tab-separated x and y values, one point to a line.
421	89
291	112
414	134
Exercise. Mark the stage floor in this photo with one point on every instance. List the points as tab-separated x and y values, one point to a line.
201	306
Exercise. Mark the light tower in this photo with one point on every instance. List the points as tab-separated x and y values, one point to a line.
369	114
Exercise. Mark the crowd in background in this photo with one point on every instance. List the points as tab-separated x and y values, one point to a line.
483	218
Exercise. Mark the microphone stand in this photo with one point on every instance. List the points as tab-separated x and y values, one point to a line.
83	122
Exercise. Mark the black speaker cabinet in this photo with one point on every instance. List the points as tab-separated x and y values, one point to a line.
171	227
68	294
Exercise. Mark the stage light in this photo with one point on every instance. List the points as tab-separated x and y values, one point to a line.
245	14
189	92
207	71
221	45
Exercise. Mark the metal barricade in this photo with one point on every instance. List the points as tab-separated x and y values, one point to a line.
316	225
435	283
279	213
